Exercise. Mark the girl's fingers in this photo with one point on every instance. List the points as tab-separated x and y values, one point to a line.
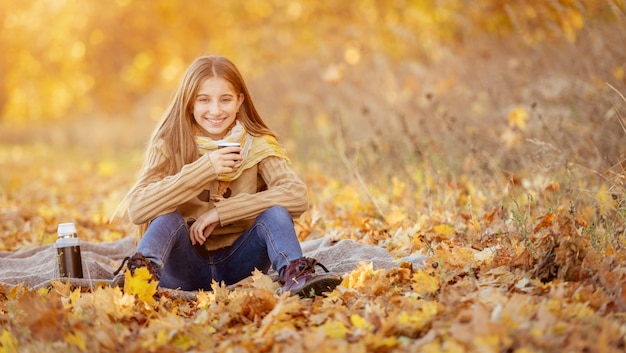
202	228
199	236
194	233
224	162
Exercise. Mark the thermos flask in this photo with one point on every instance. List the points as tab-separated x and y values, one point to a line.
68	251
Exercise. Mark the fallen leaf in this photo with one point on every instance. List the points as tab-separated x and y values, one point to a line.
545	221
517	118
76	339
8	343
141	285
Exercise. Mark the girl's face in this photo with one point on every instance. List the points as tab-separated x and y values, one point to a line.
215	107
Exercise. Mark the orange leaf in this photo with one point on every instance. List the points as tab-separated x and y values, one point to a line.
546	221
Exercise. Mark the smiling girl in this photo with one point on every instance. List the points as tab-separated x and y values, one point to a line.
215	214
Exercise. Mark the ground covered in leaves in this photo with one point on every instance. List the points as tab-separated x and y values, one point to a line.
527	273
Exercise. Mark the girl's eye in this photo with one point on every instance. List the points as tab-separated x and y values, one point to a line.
226	100
203	100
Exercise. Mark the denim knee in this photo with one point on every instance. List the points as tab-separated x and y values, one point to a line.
162	234
173	218
278	215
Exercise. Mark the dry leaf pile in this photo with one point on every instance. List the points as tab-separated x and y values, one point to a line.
531	273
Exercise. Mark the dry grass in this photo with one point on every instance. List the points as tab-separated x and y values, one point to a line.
444	120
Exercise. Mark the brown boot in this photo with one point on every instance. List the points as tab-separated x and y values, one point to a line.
299	278
132	263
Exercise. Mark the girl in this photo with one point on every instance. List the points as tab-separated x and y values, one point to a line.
215	214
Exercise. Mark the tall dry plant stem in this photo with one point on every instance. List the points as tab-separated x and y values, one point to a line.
616	91
341	150
619	116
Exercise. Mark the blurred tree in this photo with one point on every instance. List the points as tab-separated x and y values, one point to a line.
62	59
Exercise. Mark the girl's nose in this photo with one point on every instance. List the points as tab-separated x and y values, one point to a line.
214	108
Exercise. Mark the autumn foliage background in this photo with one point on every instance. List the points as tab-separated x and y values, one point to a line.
488	135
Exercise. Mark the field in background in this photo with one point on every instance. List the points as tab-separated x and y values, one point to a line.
503	162
491	125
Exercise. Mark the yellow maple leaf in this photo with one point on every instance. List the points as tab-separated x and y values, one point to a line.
335	329
517	118
358	276
424	283
8	342
140	285
359	322
443	229
76	339
366	279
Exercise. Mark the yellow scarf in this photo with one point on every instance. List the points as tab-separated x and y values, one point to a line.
254	149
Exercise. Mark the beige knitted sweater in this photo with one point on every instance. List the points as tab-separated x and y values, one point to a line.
194	190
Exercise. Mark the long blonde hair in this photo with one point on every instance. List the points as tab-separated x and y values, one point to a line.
175	131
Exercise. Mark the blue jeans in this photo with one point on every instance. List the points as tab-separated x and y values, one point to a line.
270	241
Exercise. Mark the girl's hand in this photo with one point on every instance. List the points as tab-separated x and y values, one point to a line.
201	229
224	159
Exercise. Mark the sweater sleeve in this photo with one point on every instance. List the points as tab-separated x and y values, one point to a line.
151	198
284	188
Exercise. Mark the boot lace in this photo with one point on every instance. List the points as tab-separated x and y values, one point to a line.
305	265
136	261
